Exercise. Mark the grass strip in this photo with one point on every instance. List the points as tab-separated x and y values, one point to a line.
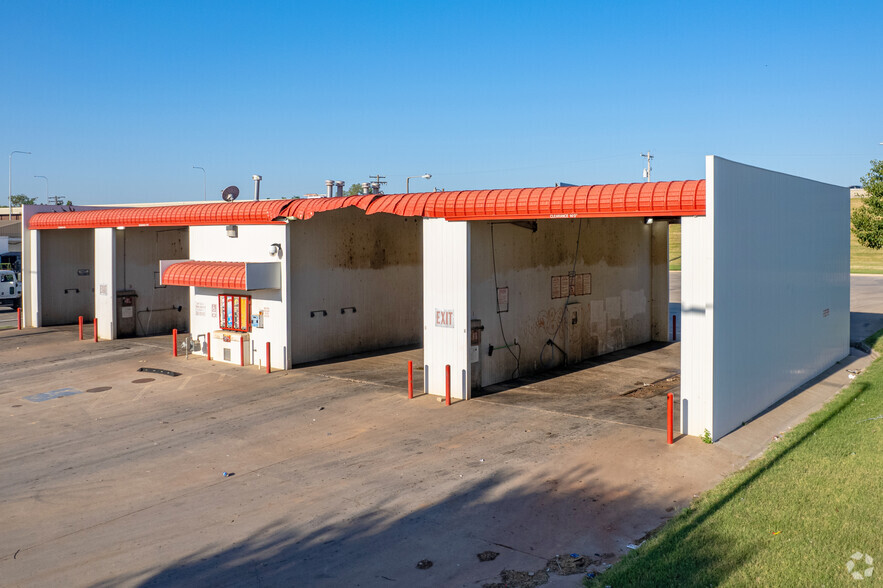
792	517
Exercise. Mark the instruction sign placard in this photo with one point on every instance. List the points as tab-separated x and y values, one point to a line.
571	285
444	318
503	299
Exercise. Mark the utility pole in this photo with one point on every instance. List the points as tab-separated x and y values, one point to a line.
378	178
649	168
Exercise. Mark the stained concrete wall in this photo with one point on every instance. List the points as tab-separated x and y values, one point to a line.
252	245
158	309
765	292
66	266
614	314
356	283
468	266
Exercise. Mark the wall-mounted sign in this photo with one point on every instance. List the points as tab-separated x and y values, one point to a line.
199	309
235	312
503	299
83	272
102	289
575	285
444	318
214	311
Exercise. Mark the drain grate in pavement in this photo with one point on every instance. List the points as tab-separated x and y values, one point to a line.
143	380
656	388
99	389
159	371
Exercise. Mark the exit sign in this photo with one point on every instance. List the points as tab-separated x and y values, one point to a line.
444	318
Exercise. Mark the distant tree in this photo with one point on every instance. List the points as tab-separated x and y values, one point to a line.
69	203
867	219
354	190
19	199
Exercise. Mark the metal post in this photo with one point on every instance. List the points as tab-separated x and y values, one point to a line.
19	318
95	329
410	379
268	357
447	385
208	346
671	421
174	342
674	327
81	327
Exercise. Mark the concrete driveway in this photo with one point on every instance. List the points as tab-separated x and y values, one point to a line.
114	476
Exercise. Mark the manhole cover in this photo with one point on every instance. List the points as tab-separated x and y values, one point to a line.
99	389
142	380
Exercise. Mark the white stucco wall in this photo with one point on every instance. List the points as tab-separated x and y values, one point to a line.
252	244
765	292
343	260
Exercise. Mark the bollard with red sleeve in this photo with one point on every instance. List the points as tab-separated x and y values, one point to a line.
208	346
174	342
81	327
447	385
671	420
19	317
95	329
268	357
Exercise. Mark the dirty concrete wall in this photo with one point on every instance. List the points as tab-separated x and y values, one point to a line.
66	268
609	311
765	293
158	309
251	244
356	283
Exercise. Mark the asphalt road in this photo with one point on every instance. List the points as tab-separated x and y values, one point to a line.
8	317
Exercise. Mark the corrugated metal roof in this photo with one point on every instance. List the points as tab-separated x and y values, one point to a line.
305	208
208	274
215	213
685	198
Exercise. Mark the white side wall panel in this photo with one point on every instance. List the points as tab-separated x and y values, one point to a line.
777	309
105	282
445	290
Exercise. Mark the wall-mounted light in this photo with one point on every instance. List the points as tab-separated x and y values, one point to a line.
121	228
648	220
232	231
276	249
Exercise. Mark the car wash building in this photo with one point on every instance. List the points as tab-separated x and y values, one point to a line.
496	283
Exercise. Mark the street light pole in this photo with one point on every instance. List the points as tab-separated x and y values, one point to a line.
203	180
408	181
10	179
47	187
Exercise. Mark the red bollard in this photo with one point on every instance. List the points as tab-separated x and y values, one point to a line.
81	328
208	346
268	357
174	342
241	352
674	327
671	420
95	329
19	318
447	385
410	379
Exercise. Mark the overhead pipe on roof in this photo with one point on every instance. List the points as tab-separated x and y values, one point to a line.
329	188
366	188
257	187
339	184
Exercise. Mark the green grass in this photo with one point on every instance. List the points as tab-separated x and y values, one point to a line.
875	341
793	517
862	260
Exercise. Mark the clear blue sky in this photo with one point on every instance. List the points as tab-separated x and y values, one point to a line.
117	100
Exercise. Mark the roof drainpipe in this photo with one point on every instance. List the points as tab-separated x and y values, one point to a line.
339	184
329	188
257	187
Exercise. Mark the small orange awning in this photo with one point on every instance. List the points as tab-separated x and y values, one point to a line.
208	274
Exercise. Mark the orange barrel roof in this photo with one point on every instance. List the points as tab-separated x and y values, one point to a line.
208	274
685	198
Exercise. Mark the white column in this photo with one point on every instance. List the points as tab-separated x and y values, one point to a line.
105	282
